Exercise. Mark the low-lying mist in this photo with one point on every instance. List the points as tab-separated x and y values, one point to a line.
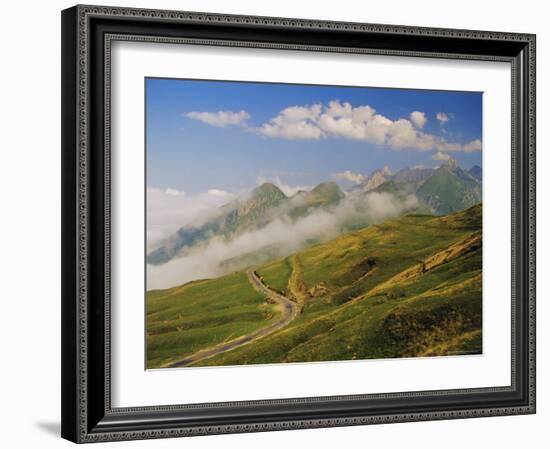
168	210
282	236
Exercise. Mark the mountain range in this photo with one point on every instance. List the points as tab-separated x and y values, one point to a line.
442	190
262	206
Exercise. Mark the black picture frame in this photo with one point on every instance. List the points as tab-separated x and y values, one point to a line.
87	414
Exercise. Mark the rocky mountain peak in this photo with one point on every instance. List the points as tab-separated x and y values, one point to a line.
451	164
476	172
376	178
386	171
329	191
268	188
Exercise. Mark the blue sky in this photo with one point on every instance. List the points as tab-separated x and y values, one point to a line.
204	135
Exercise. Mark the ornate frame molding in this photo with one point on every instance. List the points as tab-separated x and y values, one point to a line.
80	423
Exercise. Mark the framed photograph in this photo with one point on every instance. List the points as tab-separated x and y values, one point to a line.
275	224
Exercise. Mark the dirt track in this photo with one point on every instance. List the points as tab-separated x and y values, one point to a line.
289	311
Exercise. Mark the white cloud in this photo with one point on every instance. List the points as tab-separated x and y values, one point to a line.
343	120
175	192
402	134
168	211
220	194
439	156
418	118
282	234
470	147
294	122
474	145
220	119
167	191
442	117
348	175
446	146
357	123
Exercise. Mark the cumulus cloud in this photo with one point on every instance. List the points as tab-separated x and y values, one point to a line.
294	122
348	175
470	147
167	211
357	123
439	156
220	119
418	118
343	120
474	145
283	234
442	117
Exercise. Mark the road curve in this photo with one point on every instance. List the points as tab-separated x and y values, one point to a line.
289	309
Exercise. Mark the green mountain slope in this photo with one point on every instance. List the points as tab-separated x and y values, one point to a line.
186	319
444	190
265	203
406	287
325	194
450	189
239	216
407	180
255	212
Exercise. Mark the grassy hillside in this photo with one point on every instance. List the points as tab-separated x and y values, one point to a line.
183	320
407	287
420	294
450	189
276	274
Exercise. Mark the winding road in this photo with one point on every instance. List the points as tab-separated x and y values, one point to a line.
290	310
